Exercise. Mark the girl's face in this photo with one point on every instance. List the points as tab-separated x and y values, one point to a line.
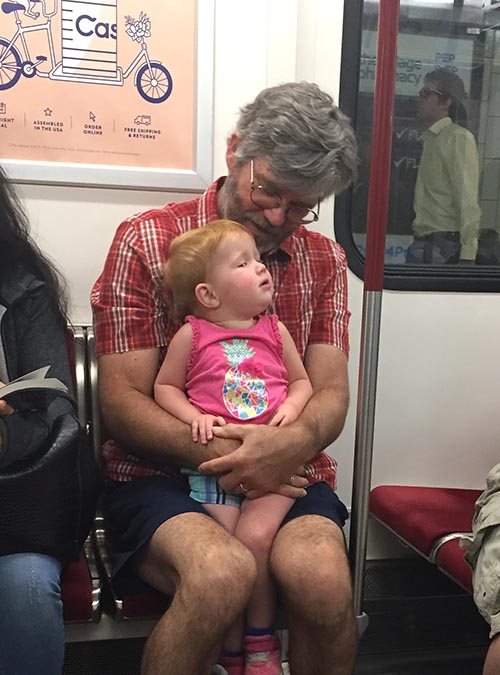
241	282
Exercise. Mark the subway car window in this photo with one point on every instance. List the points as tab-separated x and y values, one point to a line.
443	222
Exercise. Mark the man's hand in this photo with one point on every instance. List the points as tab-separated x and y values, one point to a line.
269	456
263	463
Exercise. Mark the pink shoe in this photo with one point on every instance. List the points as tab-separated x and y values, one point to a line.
233	665
263	655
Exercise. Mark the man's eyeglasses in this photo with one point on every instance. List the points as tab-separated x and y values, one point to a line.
267	199
425	92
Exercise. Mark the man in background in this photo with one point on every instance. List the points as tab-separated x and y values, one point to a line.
447	214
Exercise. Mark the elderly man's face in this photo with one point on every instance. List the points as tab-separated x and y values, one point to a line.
269	226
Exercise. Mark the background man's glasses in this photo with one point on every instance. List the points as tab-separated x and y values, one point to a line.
425	92
266	199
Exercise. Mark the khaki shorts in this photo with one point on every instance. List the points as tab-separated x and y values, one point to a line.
486	580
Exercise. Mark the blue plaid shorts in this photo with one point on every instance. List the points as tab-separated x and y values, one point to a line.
206	490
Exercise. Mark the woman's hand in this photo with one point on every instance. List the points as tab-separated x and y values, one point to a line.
5	408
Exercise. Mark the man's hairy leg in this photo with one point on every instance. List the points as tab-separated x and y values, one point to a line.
310	565
211	576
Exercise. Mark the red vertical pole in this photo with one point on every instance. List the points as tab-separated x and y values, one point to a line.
383	114
378	199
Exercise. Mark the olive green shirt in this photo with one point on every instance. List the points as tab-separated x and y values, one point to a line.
446	193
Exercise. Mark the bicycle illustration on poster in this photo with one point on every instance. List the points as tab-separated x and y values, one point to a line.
111	90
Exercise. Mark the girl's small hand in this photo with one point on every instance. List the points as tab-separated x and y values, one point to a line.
202	426
5	408
285	414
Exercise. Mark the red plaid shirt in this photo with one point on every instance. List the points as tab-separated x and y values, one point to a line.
130	311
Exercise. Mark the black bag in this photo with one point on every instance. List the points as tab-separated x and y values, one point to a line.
48	500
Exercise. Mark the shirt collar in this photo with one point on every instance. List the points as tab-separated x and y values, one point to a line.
207	205
438	126
287	247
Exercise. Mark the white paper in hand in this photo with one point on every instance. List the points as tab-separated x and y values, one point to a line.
32	390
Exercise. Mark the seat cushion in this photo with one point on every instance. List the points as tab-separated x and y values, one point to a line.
421	515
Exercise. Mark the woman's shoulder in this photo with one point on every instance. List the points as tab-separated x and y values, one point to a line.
19	285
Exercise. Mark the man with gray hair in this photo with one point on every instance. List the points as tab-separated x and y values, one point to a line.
292	147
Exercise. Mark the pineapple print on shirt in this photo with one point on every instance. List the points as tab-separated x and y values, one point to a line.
244	395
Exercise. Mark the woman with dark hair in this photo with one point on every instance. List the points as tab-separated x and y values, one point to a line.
32	335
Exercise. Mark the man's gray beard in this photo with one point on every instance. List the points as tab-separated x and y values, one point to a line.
231	203
233	210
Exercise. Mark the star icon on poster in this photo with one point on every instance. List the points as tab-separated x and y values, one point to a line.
48	112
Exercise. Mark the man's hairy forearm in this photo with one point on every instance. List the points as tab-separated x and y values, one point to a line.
324	417
319	425
140	425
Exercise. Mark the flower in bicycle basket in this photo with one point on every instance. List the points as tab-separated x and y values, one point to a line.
138	29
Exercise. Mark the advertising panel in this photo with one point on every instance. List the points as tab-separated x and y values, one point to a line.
106	91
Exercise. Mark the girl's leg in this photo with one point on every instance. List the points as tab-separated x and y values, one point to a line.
31	620
256	528
204	489
227	516
232	655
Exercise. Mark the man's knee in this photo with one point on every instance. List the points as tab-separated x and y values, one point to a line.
312	570
219	586
228	571
207	567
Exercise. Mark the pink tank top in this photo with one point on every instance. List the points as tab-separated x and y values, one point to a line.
237	374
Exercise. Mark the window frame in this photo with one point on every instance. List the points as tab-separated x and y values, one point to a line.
449	278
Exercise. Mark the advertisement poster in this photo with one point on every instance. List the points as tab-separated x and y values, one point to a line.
418	55
109	84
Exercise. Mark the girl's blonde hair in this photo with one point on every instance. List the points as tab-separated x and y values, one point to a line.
189	259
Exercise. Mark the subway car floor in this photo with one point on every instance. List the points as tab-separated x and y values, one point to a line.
420	623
